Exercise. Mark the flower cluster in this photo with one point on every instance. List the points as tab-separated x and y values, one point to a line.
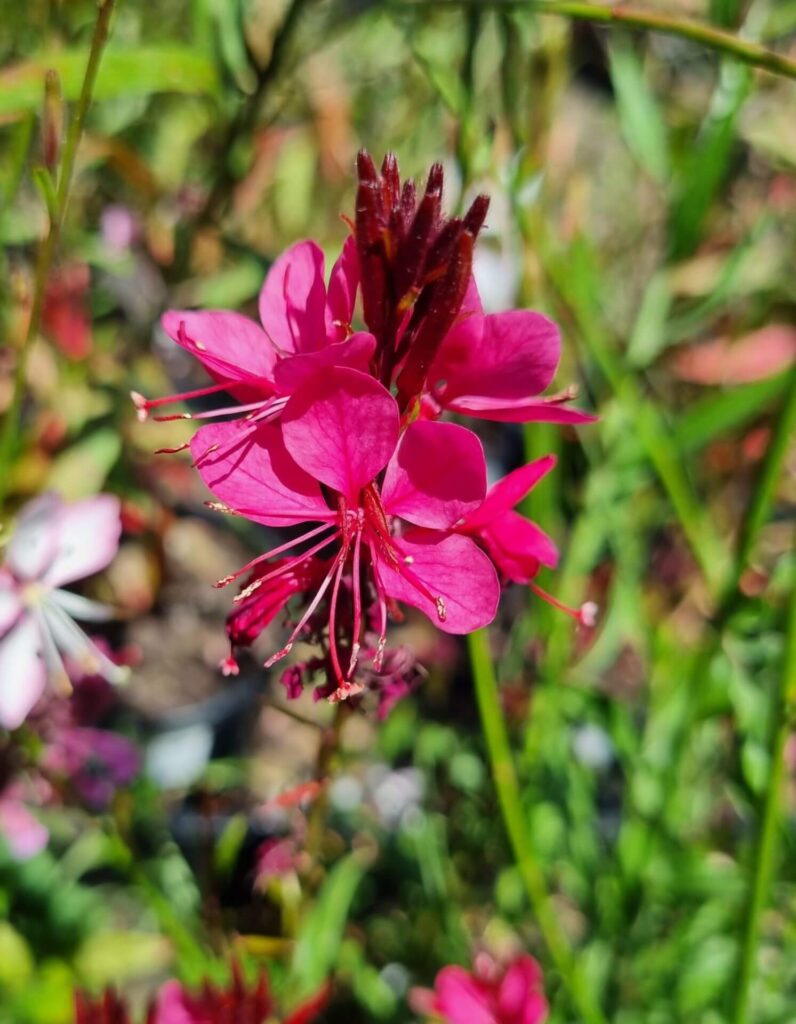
337	431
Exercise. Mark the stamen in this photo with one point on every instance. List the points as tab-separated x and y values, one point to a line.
586	615
333	612
143	405
173	451
306	616
357	594
382	599
256	584
219	506
272	554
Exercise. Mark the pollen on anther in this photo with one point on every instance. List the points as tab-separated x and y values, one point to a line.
441	609
141	406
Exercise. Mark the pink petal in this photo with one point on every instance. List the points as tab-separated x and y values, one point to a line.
519	411
501	356
231	347
88	539
450	567
355	352
517	546
257	477
171	1006
461	998
757	355
437	475
10	603
342	291
22	672
24	834
471	303
35	538
293	300
509	491
520	999
342	427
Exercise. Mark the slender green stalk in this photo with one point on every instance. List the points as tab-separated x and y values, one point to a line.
768	836
505	780
629	16
50	241
764	489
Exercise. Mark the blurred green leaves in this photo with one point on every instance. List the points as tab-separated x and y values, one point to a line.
140	71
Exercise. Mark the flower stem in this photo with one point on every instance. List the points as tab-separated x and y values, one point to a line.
49	243
505	780
768	837
628	16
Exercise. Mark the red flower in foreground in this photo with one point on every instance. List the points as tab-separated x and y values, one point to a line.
489	995
391	510
235	1003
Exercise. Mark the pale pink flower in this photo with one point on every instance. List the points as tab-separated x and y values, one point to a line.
24	834
391	511
489	995
54	544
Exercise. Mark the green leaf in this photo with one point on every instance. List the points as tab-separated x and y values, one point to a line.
114	956
43	181
229	845
648	338
707	161
322	930
83	469
639	113
142	71
721	413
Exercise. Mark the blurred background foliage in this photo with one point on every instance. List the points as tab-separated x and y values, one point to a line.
643	194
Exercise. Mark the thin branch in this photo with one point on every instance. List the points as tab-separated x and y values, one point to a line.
627	16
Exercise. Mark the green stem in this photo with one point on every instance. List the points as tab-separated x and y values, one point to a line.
764	489
767	841
50	242
636	17
505	780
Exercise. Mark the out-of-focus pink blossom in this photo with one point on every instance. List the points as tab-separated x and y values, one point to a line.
54	544
24	834
95	761
274	859
490	994
763	353
65	316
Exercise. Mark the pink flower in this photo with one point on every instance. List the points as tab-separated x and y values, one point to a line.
96	762
53	544
236	1002
305	329
517	546
24	834
391	511
493	367
490	995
